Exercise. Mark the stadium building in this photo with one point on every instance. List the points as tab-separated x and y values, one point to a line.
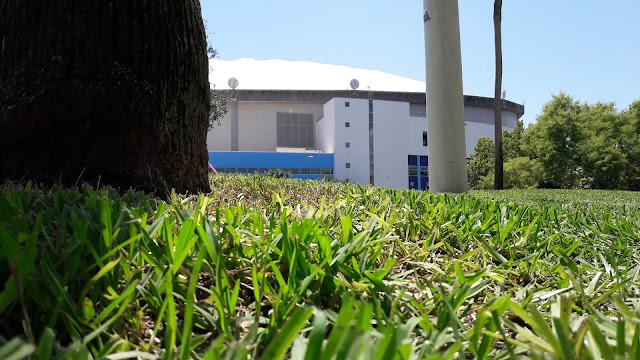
307	118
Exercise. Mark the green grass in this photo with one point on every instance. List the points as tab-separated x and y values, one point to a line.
626	203
267	268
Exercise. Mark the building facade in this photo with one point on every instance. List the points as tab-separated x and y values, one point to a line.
367	137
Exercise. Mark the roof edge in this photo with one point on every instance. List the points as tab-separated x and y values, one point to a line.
326	95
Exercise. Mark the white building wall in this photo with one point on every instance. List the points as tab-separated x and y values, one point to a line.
479	123
396	135
257	129
357	134
219	138
326	129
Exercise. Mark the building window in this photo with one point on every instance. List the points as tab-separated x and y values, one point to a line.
295	130
347	165
347	124
347	145
424	138
347	104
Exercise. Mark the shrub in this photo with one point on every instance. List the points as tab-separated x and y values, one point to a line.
279	173
519	173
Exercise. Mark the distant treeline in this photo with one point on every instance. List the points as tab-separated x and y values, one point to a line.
571	145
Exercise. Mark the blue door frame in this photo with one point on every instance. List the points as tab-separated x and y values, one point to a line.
419	180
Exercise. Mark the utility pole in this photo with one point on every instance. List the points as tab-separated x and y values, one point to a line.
445	100
498	179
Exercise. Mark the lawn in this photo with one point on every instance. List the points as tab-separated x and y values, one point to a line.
276	268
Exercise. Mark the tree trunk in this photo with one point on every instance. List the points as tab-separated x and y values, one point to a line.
110	92
498	181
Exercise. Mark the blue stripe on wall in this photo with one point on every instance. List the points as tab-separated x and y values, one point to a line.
269	160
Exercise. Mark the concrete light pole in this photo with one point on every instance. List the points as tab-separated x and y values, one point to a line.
445	101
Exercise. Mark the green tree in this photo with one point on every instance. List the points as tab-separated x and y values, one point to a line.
219	99
114	92
630	145
601	156
519	173
512	142
482	159
481	170
522	173
481	162
553	141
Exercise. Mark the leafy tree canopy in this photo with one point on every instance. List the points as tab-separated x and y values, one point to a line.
572	144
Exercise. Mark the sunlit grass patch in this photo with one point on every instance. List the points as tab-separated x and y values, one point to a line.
271	268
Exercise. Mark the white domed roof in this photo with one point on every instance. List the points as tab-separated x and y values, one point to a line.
303	75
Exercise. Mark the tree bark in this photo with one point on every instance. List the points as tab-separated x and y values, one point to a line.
111	92
498	181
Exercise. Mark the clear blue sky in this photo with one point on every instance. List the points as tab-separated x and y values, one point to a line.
589	49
